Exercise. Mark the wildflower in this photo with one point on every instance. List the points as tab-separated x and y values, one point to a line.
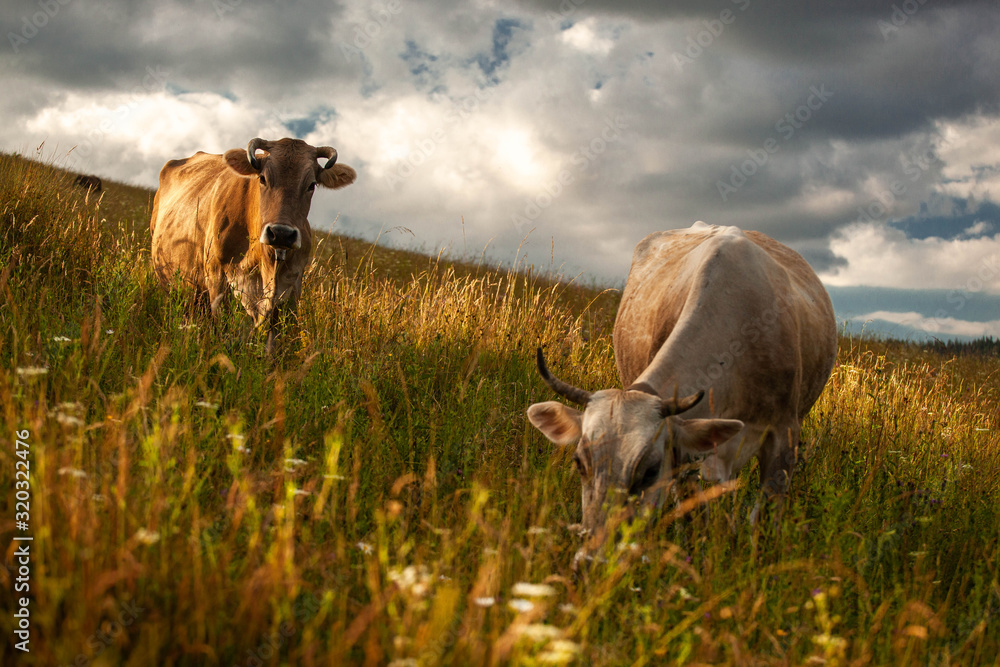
412	579
686	594
109	331
242	450
292	464
68	420
539	632
521	606
61	339
98	498
207	405
537	530
568	608
559	652
147	537
365	547
32	371
524	589
187	326
301	492
485	601
73	472
635	589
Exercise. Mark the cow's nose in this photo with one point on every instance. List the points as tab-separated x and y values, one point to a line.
281	236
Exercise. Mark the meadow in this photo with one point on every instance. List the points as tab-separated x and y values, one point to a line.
375	495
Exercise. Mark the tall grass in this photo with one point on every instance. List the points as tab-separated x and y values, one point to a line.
375	495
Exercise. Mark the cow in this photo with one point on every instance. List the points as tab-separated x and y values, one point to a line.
239	222
707	311
92	183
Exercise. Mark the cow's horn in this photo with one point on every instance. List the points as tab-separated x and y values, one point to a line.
567	391
252	147
327	151
674	406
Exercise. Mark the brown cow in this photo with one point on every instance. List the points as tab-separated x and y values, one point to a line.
90	182
238	221
705	309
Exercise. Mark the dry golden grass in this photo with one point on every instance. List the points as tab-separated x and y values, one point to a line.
376	496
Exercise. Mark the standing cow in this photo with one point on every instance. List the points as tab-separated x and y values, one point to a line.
239	221
706	309
89	182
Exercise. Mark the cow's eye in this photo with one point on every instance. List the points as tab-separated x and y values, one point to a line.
263	181
646	479
312	186
582	469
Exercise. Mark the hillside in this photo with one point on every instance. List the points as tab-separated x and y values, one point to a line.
376	496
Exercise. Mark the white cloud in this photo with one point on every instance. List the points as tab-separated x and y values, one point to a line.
944	326
882	256
585	37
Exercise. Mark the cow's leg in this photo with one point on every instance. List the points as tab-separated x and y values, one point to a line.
776	460
218	287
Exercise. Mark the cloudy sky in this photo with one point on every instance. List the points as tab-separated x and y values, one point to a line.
863	133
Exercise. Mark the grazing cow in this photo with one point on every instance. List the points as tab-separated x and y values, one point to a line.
713	310
239	221
90	182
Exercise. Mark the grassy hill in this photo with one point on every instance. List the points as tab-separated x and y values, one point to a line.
376	496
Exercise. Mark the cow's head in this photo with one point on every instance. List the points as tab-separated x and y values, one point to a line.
288	173
623	440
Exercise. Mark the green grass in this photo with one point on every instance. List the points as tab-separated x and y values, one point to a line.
350	501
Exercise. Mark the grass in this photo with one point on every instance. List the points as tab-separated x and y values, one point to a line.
376	496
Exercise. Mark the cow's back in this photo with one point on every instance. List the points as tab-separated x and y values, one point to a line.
182	217
729	311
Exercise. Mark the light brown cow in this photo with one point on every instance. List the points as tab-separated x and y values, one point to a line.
238	221
706	309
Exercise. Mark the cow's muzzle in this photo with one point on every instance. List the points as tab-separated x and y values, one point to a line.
282	238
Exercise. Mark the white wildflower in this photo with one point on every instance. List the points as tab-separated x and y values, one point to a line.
413	579
365	547
32	371
109	331
539	632
521	606
568	608
147	536
207	405
559	652
537	530
72	472
485	601
291	465
61	339
68	420
301	492
527	590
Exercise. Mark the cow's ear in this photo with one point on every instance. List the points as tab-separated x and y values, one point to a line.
239	162
559	423
338	176
702	435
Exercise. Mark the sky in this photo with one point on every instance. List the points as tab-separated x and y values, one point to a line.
865	134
